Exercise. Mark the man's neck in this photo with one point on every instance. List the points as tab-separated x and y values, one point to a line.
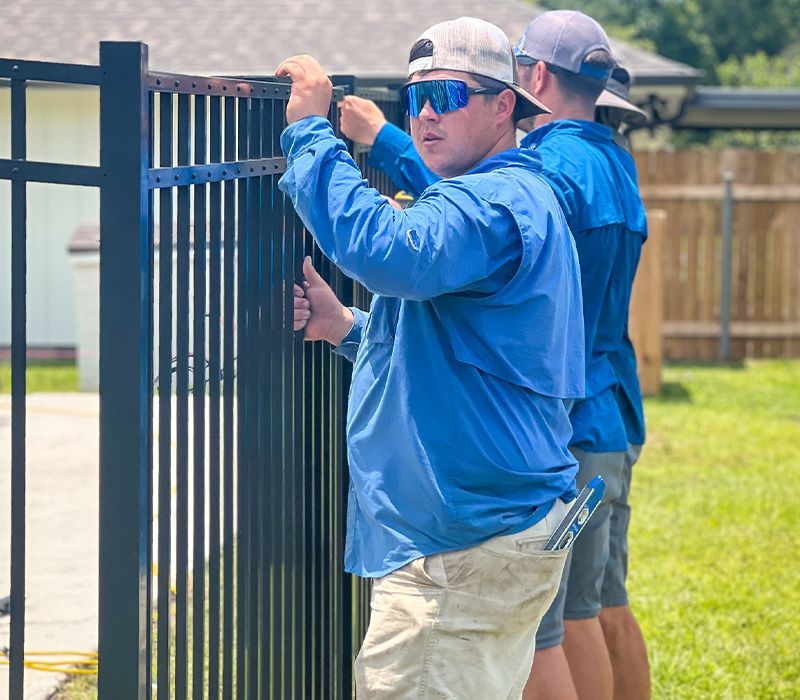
563	107
556	115
504	142
508	140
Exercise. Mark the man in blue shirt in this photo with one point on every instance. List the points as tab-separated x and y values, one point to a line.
457	428
565	59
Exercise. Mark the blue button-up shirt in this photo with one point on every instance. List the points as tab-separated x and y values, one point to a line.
457	428
596	184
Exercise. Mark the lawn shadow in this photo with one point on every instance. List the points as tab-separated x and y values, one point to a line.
674	392
709	364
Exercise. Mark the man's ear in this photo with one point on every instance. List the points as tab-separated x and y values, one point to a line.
541	78
504	104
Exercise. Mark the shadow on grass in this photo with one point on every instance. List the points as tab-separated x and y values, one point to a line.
708	364
674	392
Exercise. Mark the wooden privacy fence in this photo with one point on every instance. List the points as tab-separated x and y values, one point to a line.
646	311
765	251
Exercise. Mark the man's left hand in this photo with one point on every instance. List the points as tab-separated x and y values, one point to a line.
311	88
361	120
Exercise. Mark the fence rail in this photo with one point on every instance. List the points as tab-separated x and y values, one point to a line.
765	250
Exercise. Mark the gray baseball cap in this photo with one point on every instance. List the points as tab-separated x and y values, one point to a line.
475	46
564	38
615	96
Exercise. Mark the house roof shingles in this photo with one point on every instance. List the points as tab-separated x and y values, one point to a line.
368	38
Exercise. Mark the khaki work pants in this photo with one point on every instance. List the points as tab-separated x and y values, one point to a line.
461	624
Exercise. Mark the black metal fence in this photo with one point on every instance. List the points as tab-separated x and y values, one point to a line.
223	474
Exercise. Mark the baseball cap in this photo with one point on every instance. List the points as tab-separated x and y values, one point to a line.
475	46
615	96
564	38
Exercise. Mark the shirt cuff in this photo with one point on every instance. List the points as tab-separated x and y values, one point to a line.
389	143
348	348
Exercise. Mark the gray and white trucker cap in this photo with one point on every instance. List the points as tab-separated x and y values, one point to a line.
615	96
564	38
473	46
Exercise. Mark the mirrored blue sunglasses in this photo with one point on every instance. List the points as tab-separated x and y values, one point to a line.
443	95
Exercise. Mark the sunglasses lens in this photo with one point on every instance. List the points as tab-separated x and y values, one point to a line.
443	96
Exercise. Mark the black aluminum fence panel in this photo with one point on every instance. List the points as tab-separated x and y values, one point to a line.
20	171
223	456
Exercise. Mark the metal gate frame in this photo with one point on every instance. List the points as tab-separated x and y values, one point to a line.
20	171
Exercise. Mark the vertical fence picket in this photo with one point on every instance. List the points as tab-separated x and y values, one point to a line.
182	378
214	389
165	336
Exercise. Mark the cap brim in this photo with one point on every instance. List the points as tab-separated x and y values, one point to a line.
527	104
633	115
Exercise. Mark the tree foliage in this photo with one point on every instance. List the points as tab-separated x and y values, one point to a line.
702	33
736	43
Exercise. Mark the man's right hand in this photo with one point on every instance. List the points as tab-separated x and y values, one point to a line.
360	120
311	88
318	311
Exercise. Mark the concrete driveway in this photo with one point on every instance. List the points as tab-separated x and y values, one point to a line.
62	528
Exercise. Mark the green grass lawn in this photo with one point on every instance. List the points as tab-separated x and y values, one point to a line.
715	539
43	376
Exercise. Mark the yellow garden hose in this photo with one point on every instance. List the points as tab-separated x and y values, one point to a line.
72	663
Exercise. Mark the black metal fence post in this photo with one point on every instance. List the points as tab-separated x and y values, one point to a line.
125	371
18	388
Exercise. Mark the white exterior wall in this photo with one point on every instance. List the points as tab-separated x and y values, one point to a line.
63	127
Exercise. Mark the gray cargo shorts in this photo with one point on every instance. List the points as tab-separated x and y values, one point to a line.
595	572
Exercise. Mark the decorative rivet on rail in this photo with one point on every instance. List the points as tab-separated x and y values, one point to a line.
224	87
176	178
14	68
194	176
209	173
238	88
252	169
209	86
177	83
238	170
263	167
158	179
224	172
14	170
276	166
158	81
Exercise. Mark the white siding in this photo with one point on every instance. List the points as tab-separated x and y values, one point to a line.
63	127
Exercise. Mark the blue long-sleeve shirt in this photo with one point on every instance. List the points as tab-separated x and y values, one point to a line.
595	183
457	430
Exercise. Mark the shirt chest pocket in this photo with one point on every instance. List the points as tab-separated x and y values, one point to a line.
382	323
